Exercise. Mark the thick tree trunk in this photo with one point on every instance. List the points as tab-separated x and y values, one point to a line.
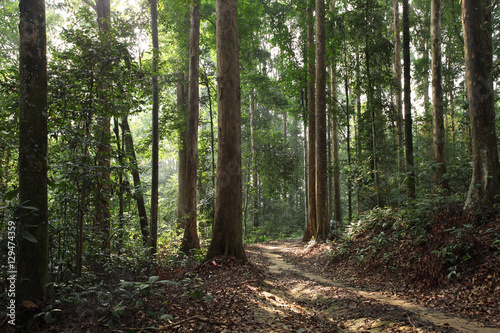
32	258
227	231
438	135
410	180
311	229
190	239
138	194
321	165
485	187
153	232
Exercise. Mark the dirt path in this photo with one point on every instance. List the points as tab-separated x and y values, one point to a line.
331	305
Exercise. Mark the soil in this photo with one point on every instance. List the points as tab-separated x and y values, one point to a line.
285	287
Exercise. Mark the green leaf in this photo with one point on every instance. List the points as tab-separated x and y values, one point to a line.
169	282
153	279
11	194
48	317
166	317
28	236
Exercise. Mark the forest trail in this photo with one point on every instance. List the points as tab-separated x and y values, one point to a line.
287	285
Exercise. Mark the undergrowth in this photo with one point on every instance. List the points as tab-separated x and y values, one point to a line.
428	243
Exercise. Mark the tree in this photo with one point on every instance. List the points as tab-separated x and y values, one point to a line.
397	78
138	194
410	181
227	230
484	187
103	153
437	96
190	240
32	264
153	237
321	165
311	229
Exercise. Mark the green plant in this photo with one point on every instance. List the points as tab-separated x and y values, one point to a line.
194	291
47	313
145	288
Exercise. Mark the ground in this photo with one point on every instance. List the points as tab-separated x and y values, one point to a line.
286	286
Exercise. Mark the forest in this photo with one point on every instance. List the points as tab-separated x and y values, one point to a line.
249	166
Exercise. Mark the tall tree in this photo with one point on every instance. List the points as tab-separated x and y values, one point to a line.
32	260
153	237
337	208
227	235
103	153
182	210
410	180
321	160
190	239
484	187
397	78
438	135
311	229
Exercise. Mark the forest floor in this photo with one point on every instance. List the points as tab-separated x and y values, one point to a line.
286	286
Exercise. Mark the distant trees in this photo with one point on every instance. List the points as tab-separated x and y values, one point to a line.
33	255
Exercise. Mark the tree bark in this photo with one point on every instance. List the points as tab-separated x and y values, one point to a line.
337	207
321	165
311	229
255	197
137	192
153	232
410	180
438	135
182	209
227	238
397	78
484	188
32	259
103	153
190	239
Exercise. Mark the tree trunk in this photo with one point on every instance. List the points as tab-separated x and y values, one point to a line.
138	194
102	218
484	188
438	134
32	259
190	239
337	208
311	229
321	165
255	197
182	209
397	78
357	128
410	181
153	232
227	231
121	185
